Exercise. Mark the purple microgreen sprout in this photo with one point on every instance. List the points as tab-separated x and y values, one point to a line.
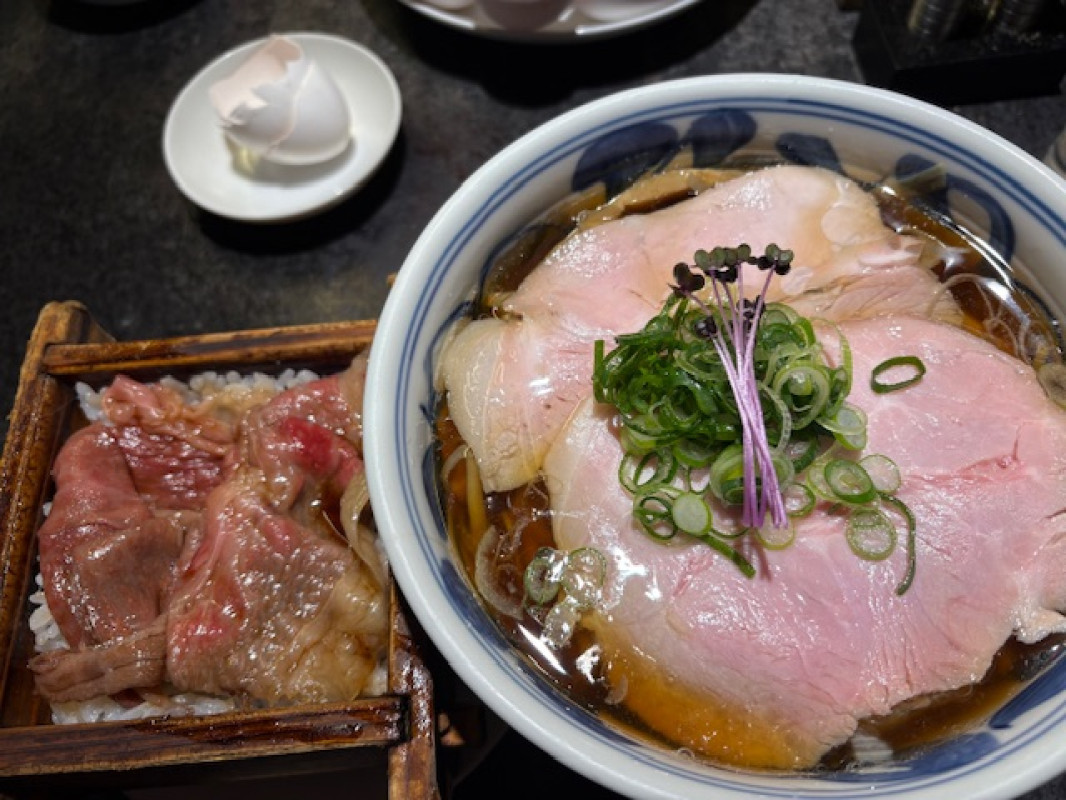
734	340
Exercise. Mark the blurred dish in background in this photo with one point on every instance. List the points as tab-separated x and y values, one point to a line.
214	176
548	19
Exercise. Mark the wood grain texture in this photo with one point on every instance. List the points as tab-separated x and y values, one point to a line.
68	346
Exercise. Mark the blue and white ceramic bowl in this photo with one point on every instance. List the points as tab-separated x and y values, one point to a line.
1018	203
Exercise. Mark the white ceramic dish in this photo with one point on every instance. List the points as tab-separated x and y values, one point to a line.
1018	203
547	20
202	164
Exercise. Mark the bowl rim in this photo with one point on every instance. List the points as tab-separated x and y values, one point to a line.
1013	167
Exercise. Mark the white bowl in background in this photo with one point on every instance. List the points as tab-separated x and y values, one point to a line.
548	20
1018	203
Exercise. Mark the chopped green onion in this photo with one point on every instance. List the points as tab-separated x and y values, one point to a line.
848	426
693	455
805	389
774	538
649	470
849	482
913	367
570	583
883	472
799	500
722	399
655	514
912	541
780	420
802	451
652	512
870	534
843	374
817	483
543	576
731	553
726	478
692	514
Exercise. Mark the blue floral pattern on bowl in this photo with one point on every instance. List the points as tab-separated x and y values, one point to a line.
615	148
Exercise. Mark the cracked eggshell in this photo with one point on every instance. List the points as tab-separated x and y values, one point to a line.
282	106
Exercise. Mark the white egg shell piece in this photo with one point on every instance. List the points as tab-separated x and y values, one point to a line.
282	106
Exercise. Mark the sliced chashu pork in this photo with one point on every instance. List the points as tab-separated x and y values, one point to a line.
512	380
777	669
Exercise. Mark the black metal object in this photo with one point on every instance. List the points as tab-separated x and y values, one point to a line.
963	51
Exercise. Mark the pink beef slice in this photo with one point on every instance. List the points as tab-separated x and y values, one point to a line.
778	669
512	379
273	604
107	563
127	494
176	452
171	524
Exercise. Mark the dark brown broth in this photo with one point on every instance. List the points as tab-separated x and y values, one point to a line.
922	722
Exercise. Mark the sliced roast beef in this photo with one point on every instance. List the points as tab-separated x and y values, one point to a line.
274	603
195	545
303	435
176	452
132	661
106	559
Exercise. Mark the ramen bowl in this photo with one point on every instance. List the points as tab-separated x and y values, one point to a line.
966	173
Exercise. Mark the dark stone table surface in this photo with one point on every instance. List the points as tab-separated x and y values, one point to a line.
88	211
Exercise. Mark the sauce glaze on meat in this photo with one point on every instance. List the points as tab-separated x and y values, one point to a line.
200	548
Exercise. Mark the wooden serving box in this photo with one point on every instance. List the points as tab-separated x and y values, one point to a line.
394	733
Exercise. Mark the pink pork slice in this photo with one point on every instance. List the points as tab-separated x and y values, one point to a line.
512	380
776	670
